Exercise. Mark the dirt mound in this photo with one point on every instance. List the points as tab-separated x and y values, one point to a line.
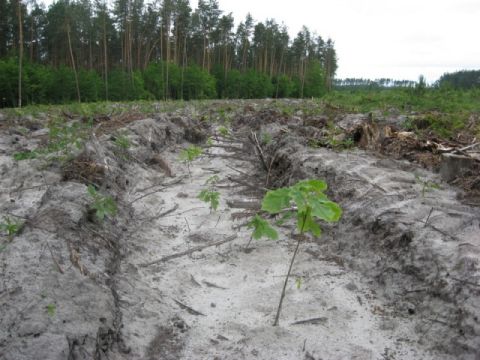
59	293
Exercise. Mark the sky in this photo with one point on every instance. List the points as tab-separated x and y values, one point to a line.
398	39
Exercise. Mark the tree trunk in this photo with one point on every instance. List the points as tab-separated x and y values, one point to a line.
105	58
20	53
184	61
73	63
167	93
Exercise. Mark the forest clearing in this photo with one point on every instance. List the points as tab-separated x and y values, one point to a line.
109	253
180	183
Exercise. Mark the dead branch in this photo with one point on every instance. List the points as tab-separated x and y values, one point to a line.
239	171
428	217
212	285
227	147
188	308
313	321
247	184
243	204
145	195
226	156
469	147
270	169
165	185
253	138
190	251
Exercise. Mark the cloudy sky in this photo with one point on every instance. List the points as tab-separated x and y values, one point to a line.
398	39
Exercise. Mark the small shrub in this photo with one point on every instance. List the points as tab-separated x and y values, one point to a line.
212	197
122	142
103	205
224	131
10	227
189	154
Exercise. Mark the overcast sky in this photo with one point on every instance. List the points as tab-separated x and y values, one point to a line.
398	39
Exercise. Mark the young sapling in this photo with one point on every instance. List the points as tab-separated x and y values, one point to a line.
103	205
308	202
427	185
210	196
189	154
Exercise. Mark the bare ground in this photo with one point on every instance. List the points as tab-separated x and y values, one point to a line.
167	278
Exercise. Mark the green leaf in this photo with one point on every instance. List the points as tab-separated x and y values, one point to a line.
91	190
51	309
212	179
276	200
298	282
325	210
300	198
261	228
100	213
211	197
306	223
313	185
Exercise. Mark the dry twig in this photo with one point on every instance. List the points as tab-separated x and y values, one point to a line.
190	251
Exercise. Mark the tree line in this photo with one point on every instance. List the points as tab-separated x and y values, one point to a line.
464	79
86	50
360	83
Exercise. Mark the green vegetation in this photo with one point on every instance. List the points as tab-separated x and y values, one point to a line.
86	51
442	100
10	227
103	205
442	111
222	130
189	154
261	228
122	142
63	140
307	201
465	79
210	196
426	185
51	309
266	138
212	180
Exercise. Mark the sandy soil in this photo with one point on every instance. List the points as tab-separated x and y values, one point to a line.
167	278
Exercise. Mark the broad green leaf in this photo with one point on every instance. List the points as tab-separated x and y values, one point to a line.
307	224
214	202
326	210
300	198
276	200
261	228
316	186
211	197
